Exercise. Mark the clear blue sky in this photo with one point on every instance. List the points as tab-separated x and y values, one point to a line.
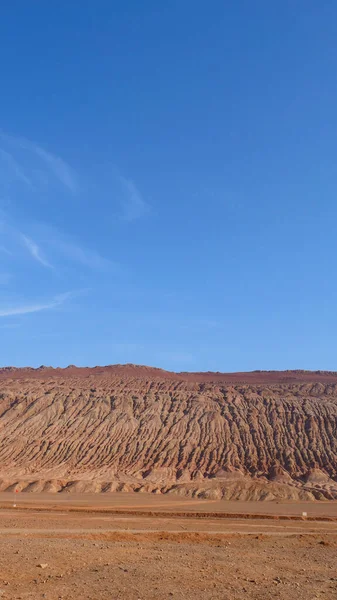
168	183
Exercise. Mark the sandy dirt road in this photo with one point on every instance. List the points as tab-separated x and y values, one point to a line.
55	524
165	503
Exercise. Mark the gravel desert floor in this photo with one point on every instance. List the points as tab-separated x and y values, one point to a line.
139	548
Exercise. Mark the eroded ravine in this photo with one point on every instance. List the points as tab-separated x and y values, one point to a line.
111	429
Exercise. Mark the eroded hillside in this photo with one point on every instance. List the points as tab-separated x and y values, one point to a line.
129	428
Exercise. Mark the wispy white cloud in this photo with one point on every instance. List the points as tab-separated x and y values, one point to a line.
14	166
63	249
55	164
84	256
35	251
25	309
60	168
69	251
4	250
134	206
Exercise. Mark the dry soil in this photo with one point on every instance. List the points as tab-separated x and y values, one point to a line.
56	550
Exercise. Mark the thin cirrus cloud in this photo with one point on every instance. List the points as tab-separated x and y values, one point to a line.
58	245
13	167
133	204
35	251
84	256
25	309
60	168
27	162
5	250
65	248
52	163
22	160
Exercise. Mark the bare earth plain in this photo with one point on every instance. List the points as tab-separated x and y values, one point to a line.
132	546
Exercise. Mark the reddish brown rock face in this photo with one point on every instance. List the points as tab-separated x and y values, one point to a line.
250	435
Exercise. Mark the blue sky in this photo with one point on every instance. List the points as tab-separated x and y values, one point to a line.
168	182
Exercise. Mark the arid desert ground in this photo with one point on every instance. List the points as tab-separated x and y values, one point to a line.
143	546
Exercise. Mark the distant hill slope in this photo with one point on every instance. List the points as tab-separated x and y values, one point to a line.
141	371
260	435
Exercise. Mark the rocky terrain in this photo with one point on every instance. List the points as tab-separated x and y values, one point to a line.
261	435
